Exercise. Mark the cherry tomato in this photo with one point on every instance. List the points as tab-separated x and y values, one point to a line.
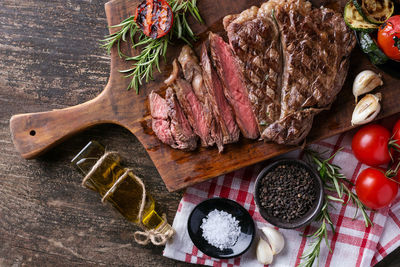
370	145
154	17
389	37
396	132
374	189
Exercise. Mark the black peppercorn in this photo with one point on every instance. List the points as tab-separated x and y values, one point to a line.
287	192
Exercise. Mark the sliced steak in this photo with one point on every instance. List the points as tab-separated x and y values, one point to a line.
193	74
169	123
235	89
222	111
303	66
181	131
160	121
191	106
254	37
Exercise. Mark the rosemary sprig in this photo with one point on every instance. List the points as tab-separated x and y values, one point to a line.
336	182
320	234
152	49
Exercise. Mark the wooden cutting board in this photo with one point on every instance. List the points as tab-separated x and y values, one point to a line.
35	133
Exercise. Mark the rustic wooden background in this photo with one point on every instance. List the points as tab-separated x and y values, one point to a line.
50	59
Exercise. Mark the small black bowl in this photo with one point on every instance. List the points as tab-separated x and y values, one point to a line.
307	217
246	224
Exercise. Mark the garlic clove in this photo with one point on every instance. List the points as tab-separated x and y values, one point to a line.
264	252
365	82
275	239
367	109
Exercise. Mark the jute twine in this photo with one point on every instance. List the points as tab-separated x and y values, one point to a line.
157	236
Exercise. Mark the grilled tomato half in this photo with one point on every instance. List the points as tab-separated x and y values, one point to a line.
389	37
154	17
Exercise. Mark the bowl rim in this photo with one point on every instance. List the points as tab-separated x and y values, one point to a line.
303	220
237	205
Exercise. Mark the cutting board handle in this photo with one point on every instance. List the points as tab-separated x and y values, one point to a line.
35	133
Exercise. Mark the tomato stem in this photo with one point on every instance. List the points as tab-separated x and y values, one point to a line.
391	173
393	144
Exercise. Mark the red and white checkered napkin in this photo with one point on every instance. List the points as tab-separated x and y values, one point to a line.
352	244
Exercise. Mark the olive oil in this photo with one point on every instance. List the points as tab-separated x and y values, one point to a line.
117	185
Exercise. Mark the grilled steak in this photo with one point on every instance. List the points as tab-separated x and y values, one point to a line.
235	88
303	66
223	113
190	104
193	74
170	123
254	38
160	121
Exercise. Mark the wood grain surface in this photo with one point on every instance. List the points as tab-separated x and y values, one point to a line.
50	59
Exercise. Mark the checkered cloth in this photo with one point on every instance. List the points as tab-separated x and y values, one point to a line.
352	244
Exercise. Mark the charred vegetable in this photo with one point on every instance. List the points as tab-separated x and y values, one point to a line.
375	11
369	47
154	18
365	82
389	37
354	19
367	109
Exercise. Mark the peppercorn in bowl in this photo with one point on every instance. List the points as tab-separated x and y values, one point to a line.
288	193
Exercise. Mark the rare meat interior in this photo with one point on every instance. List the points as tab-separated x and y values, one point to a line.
282	64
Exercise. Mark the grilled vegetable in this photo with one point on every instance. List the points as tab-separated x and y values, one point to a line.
354	19
367	109
369	47
389	37
365	82
154	17
375	11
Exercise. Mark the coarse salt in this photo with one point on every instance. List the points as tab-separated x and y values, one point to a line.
220	229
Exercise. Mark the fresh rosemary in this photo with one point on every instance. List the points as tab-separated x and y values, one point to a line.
152	49
336	182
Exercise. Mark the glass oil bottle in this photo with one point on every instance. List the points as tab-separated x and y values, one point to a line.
117	185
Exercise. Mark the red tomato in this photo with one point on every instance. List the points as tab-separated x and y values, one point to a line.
396	132
389	37
154	17
370	145
374	189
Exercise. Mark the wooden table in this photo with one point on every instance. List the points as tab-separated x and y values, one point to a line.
50	58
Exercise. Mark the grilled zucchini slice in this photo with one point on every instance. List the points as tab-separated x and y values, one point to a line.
369	46
354	19
375	11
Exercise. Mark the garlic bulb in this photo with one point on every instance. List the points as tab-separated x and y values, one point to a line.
365	82
367	109
275	239
264	252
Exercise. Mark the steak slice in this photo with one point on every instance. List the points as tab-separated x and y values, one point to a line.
169	123
160	121
193	74
235	89
191	106
303	66
254	37
223	113
181	131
